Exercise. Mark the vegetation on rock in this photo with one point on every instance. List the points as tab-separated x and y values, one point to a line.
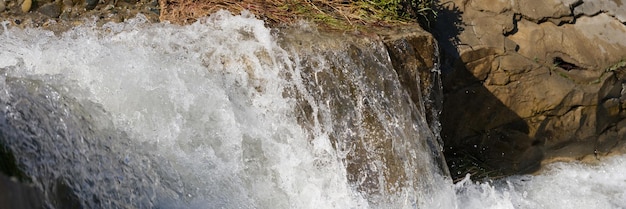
616	66
338	14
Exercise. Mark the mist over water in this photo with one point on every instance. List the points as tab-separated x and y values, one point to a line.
164	116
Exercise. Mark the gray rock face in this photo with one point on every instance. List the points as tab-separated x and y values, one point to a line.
551	65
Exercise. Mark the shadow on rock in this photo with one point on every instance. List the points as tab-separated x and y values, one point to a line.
482	136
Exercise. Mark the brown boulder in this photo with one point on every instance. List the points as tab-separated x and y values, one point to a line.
551	67
592	44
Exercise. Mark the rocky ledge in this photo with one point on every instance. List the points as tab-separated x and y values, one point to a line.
531	82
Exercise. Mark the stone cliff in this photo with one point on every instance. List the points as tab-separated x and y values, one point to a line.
531	81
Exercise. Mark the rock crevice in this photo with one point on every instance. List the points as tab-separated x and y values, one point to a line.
552	66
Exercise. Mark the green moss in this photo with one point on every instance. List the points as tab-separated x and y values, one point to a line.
401	9
617	66
562	74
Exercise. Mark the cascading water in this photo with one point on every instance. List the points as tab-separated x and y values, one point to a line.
226	113
213	115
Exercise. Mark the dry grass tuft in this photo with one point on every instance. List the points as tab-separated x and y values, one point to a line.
335	13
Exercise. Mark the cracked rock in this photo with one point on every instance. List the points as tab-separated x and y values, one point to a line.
553	68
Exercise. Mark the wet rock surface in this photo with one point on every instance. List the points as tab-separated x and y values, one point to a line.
360	89
539	81
414	56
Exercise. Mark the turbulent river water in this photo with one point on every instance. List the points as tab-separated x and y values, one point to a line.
138	115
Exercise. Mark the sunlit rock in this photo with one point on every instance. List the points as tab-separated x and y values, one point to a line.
547	66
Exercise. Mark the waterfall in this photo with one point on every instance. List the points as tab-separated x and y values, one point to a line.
223	113
227	113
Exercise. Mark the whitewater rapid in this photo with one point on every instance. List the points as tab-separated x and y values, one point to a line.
204	102
558	186
197	117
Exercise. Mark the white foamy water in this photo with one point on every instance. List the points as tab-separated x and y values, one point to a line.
560	186
207	97
205	104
